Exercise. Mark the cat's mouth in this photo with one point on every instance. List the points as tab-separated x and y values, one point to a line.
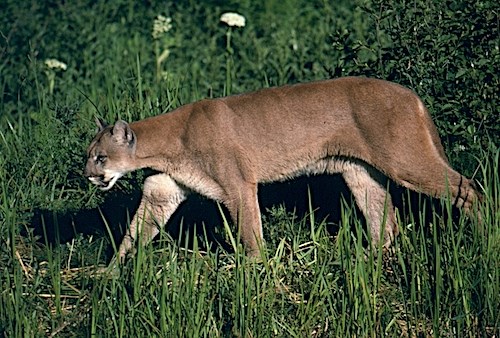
103	182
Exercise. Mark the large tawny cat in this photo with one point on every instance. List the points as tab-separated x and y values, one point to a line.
223	148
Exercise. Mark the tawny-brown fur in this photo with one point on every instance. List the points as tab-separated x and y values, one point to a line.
364	129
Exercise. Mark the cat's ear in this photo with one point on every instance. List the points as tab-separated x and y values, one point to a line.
123	134
101	124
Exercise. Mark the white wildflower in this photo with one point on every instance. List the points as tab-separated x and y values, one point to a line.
55	64
161	25
233	19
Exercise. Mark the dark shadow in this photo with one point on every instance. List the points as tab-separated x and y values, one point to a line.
61	227
202	216
196	214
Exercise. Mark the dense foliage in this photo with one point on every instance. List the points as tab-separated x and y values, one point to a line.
446	51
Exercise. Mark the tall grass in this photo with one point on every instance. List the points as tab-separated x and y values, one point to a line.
438	279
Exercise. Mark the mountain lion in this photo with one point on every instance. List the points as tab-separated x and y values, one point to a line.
364	129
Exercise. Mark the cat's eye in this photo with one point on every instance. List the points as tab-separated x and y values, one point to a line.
99	159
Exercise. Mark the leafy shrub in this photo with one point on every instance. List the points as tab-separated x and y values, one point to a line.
448	52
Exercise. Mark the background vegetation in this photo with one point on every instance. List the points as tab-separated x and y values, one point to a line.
441	279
